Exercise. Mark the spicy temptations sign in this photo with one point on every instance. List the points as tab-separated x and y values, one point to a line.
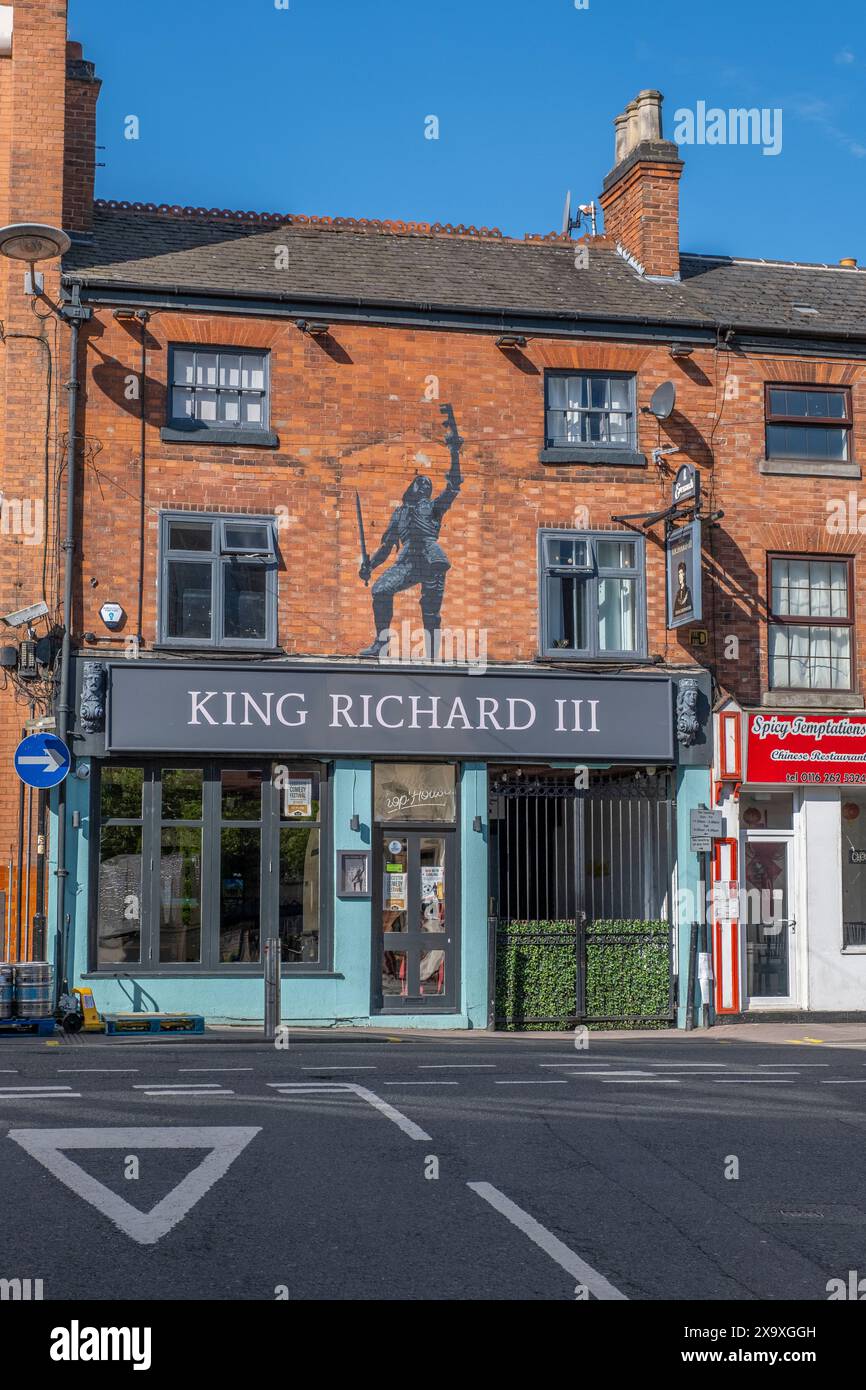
282	710
800	749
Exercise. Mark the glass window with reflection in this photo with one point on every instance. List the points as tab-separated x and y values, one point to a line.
219	581
811	623
592	594
119	892
808	422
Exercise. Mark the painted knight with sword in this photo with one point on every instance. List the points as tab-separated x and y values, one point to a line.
414	531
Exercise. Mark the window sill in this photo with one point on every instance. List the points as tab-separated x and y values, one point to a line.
811	468
577	659
172	971
574	453
248	439
811	699
217	652
853	951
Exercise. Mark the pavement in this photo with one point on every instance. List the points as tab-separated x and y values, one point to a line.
425	1166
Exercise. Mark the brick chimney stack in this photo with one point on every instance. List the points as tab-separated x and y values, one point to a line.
79	155
640	199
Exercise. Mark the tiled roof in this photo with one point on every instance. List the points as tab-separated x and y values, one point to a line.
414	265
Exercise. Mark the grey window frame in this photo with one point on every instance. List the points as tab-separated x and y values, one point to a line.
182	424
600	446
592	573
219	557
212	824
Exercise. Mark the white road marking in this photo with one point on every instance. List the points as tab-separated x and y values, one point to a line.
146	1228
825	1081
596	1283
457	1066
202	1095
557	1066
324	1067
753	1080
421	1083
40	1095
640	1080
10	1090
611	1073
11	1071
98	1071
176	1085
530	1083
301	1088
205	1070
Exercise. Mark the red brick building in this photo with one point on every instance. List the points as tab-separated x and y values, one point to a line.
249	384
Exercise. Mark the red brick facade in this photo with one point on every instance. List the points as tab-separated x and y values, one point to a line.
360	411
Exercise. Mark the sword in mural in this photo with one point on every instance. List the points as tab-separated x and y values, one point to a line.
414	532
365	558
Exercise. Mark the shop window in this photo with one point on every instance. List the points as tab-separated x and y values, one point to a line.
854	873
219	581
217	390
592	595
415	793
811	624
590	409
119	894
198	865
808	422
767	810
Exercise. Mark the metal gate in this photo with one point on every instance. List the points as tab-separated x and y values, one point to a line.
581	897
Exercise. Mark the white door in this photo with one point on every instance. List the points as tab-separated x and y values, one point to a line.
770	920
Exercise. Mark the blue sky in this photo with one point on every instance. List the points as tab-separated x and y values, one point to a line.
320	108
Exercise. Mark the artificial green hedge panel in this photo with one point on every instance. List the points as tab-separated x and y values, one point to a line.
627	974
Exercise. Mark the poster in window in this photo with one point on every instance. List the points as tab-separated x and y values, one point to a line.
683	549
394	892
432	882
298	799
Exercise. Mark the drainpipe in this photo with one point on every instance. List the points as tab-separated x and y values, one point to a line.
74	315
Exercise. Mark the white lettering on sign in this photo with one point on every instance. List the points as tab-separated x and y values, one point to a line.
775	727
515	714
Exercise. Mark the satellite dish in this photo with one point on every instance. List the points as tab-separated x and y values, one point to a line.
663	400
566	216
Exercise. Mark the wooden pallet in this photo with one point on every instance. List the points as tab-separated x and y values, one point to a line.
43	1027
153	1023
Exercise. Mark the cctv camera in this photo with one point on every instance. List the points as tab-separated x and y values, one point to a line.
22	616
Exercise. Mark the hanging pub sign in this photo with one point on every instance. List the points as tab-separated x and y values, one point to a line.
686	486
683	553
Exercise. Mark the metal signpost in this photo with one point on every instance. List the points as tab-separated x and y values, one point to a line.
273	962
704	827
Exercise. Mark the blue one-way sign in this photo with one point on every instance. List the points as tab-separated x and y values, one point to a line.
42	760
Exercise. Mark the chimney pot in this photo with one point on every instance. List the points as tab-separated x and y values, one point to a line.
632	132
649	113
620	127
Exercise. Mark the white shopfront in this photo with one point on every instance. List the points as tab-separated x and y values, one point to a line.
789	906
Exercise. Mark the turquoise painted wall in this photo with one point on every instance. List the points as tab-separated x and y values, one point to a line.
693	790
342	997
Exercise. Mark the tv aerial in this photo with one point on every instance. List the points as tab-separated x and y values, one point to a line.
584	211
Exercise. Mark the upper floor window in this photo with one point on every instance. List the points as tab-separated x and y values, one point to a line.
218	580
592	594
217	389
590	408
811	624
808	422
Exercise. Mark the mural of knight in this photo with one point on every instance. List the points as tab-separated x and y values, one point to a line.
414	531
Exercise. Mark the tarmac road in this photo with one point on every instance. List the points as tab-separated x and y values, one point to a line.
357	1167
